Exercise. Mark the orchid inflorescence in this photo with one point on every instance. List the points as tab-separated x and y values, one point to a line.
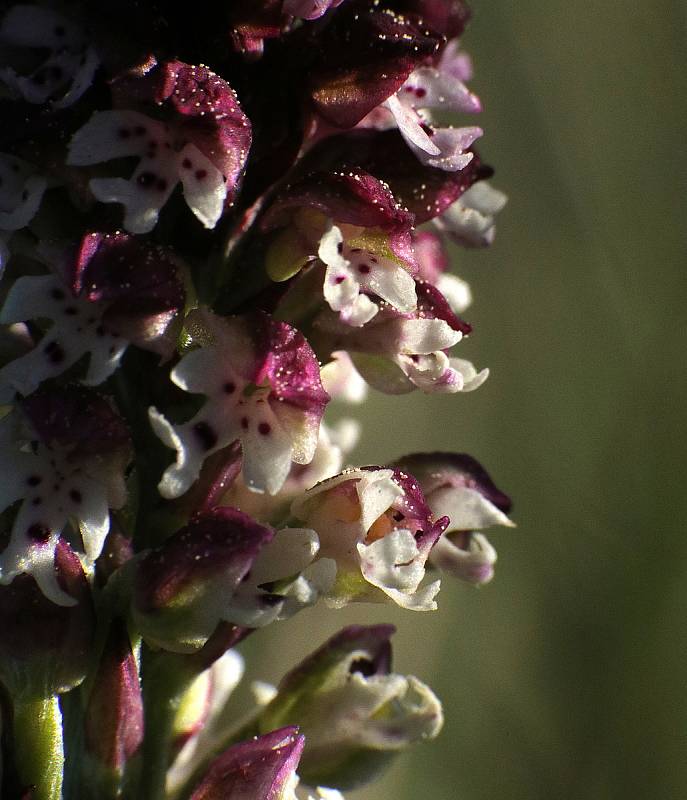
212	225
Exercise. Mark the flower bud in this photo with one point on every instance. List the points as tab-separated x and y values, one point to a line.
45	647
457	486
353	711
224	566
114	713
184	588
263	768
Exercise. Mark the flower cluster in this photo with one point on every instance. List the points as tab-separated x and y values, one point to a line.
211	228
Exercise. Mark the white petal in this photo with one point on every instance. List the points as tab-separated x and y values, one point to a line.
394	565
82	78
289	553
410	127
467	509
359	312
422	336
101	138
266	458
178	477
475	565
456	291
377	491
25	210
204	188
471	378
141	205
438	90
94	517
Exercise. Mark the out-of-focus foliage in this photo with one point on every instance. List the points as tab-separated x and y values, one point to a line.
564	678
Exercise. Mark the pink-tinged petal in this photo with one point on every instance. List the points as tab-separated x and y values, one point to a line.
350	196
113	722
263	386
457	485
47	648
208	115
418	188
470	221
263	768
69	63
455	62
363	57
433	262
309	9
431	255
455	472
431	88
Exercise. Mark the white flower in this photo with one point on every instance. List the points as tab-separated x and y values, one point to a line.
353	271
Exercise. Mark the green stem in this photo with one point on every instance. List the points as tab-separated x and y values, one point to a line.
164	684
38	746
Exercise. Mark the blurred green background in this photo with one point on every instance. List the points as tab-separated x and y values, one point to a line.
566	677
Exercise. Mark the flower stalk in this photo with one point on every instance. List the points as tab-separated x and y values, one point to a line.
215	228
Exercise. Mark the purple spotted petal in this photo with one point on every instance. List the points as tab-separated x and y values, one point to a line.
64	457
137	281
263	386
262	768
362	58
202	142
